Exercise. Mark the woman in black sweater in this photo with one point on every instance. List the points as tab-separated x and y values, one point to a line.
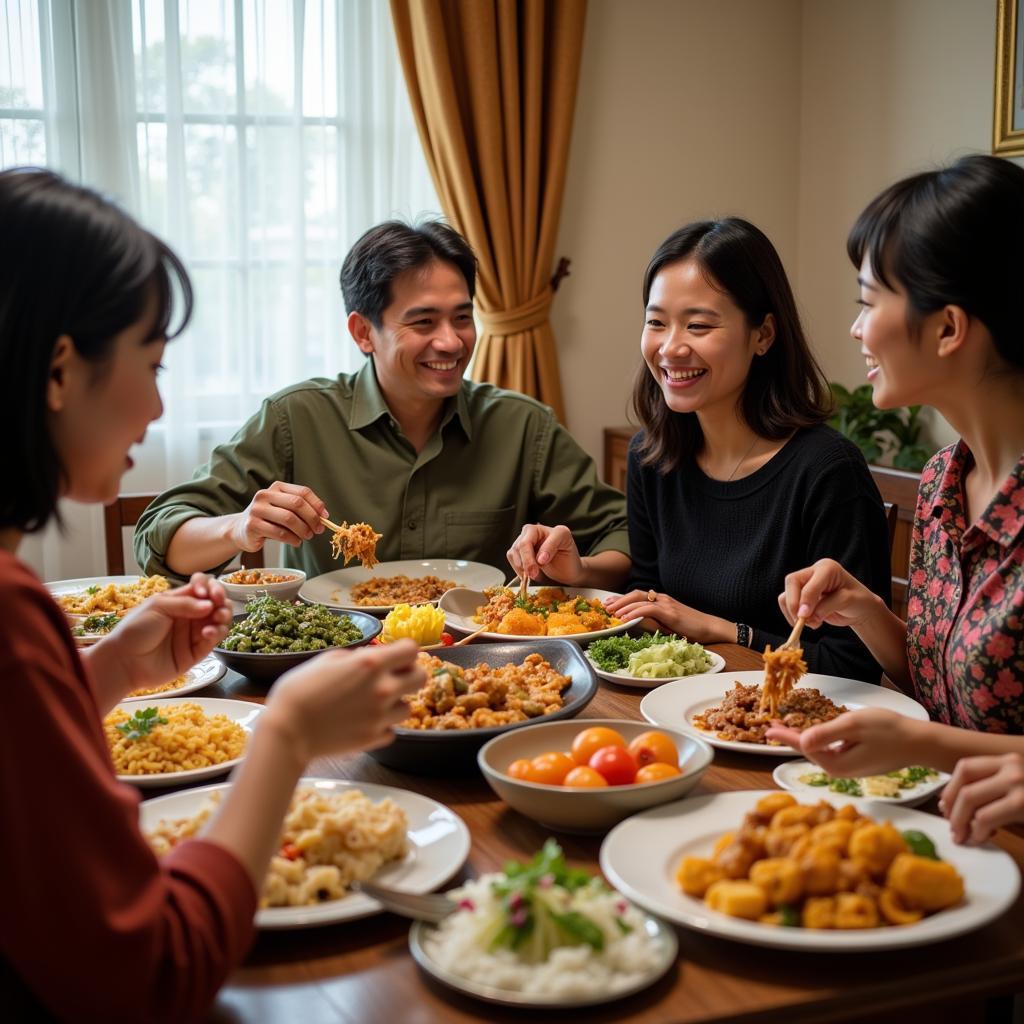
734	480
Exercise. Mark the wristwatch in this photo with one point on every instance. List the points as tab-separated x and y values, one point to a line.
744	634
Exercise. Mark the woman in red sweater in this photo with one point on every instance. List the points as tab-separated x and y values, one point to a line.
93	926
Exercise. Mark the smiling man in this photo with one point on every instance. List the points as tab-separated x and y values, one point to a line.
439	465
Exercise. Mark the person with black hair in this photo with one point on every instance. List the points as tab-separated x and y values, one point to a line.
441	466
94	927
734	480
940	266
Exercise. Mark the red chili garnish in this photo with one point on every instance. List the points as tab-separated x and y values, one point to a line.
291	851
375	642
447	639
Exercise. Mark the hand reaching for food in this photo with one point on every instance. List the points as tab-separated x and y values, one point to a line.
548	551
826	592
984	794
289	513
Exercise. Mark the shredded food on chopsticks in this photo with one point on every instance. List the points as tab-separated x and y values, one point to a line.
356	541
782	671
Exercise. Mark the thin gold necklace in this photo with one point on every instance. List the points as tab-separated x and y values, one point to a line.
743	458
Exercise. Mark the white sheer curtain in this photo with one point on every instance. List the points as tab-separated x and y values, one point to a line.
260	138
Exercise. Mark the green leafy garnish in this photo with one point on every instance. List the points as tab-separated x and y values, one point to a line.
100	623
92	590
789	916
141	724
612	653
920	845
848	787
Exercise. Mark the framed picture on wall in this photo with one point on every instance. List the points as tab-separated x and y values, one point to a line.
1008	128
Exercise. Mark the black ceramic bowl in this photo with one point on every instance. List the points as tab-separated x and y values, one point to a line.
264	668
438	751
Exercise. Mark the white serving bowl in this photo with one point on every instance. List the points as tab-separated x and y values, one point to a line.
288	590
569	809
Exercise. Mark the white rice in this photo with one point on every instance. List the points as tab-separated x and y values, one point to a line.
569	971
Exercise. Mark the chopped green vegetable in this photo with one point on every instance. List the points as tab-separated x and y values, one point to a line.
613	652
789	916
675	658
848	787
920	845
97	624
92	590
141	724
814	779
279	627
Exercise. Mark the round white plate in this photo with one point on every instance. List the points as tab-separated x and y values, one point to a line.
675	704
460	605
420	931
639	858
334	589
200	675
622	678
438	847
787	776
244	712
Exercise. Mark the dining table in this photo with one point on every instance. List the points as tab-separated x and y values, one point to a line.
362	971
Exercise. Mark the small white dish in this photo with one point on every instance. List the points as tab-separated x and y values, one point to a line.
285	590
439	844
460	605
675	704
666	938
639	857
202	674
244	712
623	678
787	776
334	589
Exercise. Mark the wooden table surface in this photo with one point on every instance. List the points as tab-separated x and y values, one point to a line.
362	971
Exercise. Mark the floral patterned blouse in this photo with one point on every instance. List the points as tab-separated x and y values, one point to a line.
965	635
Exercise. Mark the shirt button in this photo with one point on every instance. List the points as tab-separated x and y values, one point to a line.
411	524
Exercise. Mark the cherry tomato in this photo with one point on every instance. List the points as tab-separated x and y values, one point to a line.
447	639
656	771
582	777
588	742
291	851
519	769
653	748
616	764
550	769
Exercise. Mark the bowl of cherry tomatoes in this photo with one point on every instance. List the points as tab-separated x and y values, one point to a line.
585	776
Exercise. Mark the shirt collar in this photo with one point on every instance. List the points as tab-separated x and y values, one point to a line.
1002	521
368	403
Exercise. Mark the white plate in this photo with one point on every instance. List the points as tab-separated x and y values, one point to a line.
639	858
787	775
420	931
61	588
334	589
675	704
623	678
438	847
459	607
244	712
200	675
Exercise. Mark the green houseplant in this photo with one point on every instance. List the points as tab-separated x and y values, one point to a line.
879	432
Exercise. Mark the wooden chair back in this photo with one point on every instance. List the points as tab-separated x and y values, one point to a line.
126	510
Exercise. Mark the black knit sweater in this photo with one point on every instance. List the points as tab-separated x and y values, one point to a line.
725	548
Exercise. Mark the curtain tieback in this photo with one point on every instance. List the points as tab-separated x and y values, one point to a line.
523	318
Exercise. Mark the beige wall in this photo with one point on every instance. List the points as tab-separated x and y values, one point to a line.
890	87
686	109
792	113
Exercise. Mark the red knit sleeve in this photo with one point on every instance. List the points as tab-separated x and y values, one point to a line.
93	925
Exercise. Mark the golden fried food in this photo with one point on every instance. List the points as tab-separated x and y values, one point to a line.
384	590
484	696
740	717
817	866
545	612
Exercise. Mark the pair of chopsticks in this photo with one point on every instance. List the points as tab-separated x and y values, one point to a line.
330	526
794	637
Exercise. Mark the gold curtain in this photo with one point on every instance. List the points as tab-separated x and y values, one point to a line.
493	88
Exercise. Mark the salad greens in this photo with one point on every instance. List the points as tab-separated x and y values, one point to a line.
97	624
613	652
889	785
543	905
141	724
676	658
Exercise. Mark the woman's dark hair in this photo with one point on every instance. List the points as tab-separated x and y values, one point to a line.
953	237
70	263
785	389
392	248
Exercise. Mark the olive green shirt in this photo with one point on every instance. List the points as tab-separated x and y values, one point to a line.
498	460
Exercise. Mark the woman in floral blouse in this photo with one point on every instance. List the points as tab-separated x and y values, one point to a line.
942	323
